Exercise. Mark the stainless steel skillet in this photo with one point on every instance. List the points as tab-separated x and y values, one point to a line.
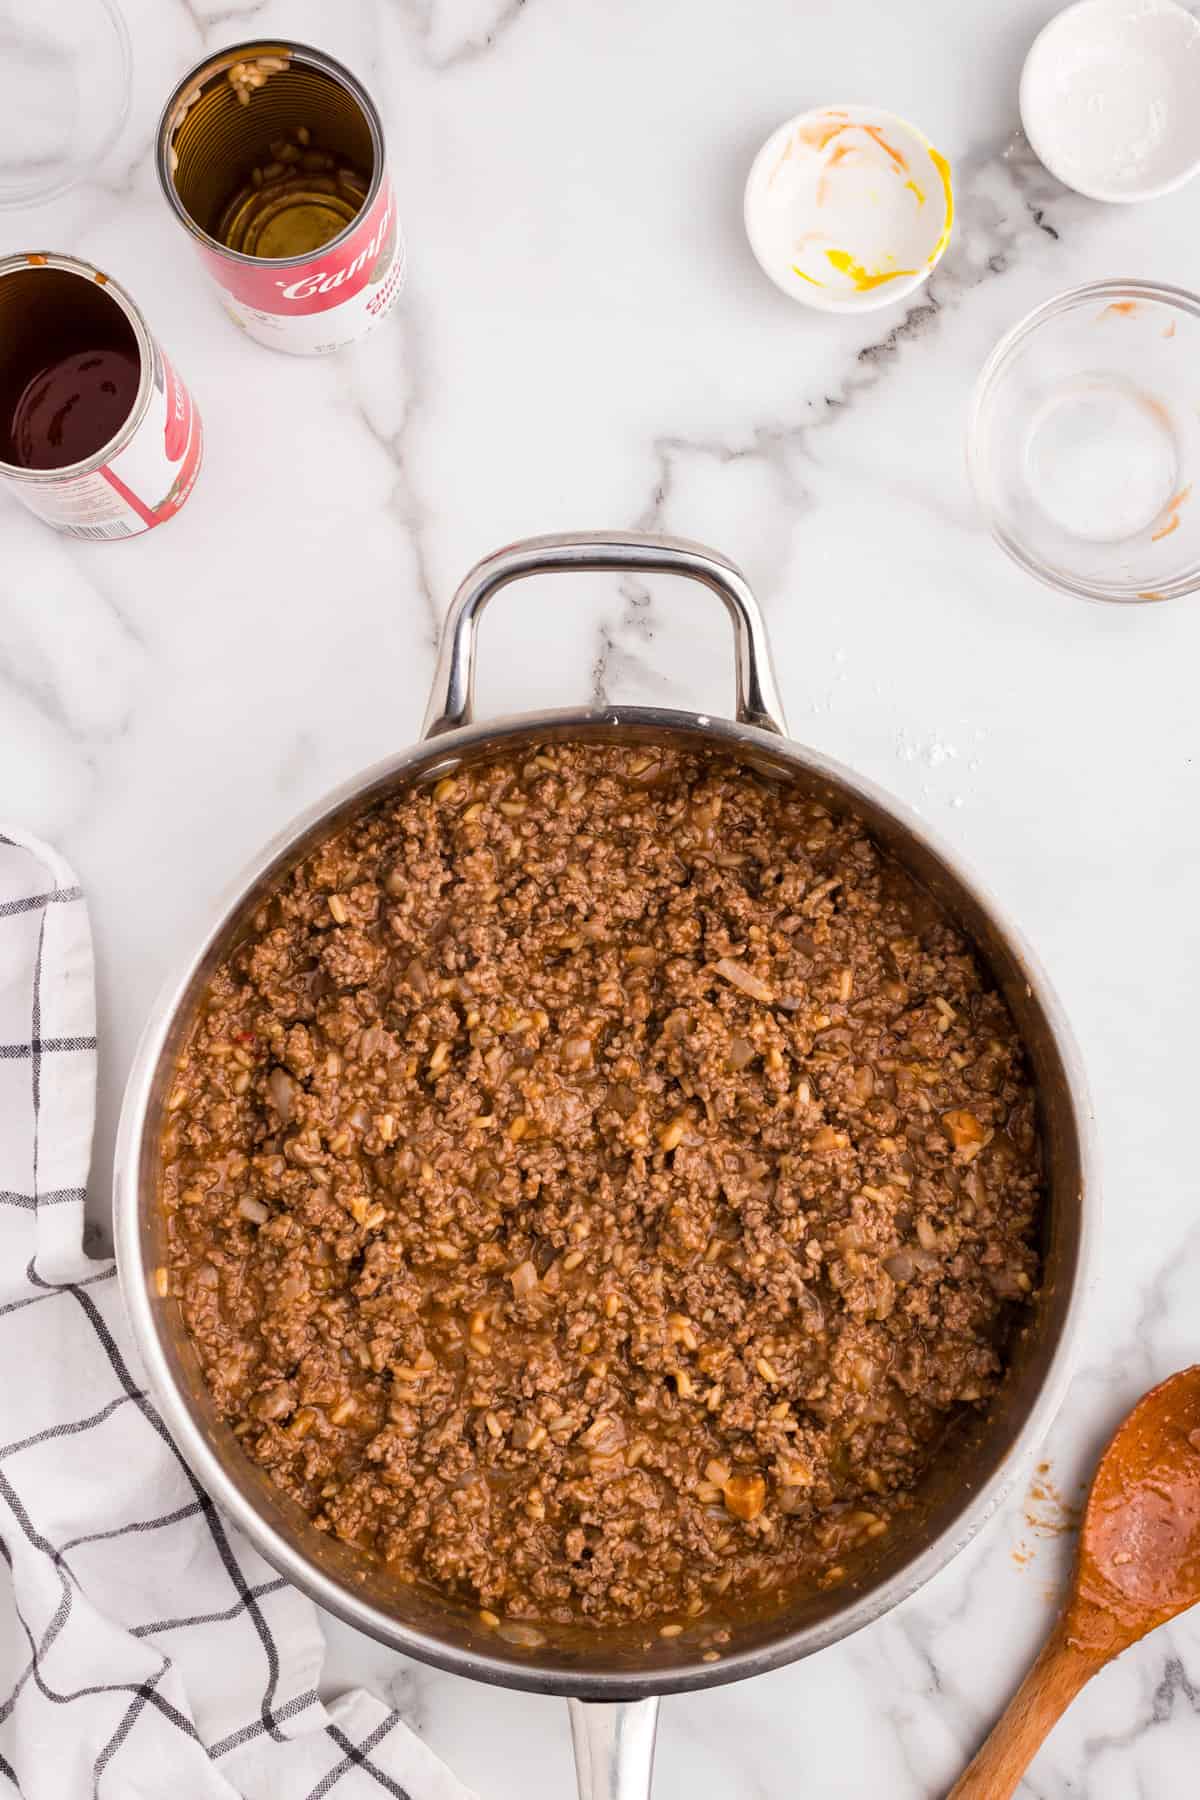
614	1683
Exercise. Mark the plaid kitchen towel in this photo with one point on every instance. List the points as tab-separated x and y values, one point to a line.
146	1651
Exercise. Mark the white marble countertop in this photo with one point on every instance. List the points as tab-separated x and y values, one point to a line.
586	341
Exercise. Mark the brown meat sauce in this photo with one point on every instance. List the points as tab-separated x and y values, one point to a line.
596	1184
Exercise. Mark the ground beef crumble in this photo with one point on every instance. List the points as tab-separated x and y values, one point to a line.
595	1184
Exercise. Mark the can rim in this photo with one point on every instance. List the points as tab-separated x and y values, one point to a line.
210	66
24	262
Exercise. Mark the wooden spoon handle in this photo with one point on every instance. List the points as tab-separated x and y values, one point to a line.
1040	1701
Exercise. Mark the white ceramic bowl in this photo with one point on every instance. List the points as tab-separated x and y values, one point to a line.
1110	98
848	208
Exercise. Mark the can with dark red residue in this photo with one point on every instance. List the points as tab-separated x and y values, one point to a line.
271	155
98	435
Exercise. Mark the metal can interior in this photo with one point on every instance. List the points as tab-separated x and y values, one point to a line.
47	305
210	142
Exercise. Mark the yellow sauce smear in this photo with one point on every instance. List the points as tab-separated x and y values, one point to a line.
804	277
917	191
863	279
943	168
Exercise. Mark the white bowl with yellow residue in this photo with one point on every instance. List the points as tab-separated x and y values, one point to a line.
848	208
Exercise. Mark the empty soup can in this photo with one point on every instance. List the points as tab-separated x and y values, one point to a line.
271	155
98	435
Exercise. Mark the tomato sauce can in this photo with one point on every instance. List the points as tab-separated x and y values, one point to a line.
98	434
271	155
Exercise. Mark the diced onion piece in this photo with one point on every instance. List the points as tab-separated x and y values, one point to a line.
963	1129
742	978
526	1637
745	1496
524	1279
282	1090
254	1210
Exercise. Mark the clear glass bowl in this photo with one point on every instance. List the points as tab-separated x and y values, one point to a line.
65	77
1083	442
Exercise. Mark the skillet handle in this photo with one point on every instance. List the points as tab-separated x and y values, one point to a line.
614	1747
625	552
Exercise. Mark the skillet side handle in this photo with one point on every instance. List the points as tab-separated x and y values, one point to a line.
614	1747
451	702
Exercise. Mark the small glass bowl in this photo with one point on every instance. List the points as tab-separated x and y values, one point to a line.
65	81
1083	442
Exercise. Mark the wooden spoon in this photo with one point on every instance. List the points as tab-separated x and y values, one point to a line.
1138	1566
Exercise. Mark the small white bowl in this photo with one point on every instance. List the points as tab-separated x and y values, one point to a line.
848	208
1110	98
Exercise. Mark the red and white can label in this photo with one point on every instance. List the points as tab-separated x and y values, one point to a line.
327	302
142	484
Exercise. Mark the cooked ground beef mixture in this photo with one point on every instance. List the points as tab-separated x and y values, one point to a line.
595	1184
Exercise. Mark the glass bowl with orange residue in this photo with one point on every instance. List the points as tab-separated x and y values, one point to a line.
1083	442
